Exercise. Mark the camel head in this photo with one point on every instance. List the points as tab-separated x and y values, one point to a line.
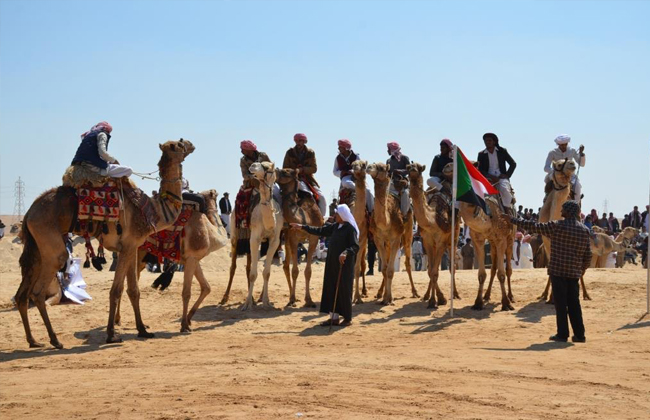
597	229
285	176
263	172
415	170
177	150
359	168
566	167
210	197
629	233
378	171
448	171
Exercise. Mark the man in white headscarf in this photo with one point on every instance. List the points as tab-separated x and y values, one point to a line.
563	151
341	255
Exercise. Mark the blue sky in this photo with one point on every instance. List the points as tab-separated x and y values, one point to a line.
370	71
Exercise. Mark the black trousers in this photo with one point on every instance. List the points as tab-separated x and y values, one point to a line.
566	294
372	254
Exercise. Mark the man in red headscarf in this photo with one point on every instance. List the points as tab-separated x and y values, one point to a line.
92	153
250	156
303	160
397	169
343	170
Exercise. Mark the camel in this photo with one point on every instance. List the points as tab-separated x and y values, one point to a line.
389	227
203	234
601	246
358	208
436	234
501	236
53	214
563	170
266	223
304	211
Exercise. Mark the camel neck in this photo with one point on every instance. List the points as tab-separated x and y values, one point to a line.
170	197
423	213
381	196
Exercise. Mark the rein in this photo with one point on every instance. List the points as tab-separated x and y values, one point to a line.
555	181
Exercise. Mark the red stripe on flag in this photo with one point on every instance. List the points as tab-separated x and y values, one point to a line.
474	173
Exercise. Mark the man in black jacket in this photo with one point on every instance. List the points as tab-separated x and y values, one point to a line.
492	164
225	209
439	163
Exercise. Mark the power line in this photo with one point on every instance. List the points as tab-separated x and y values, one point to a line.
19	196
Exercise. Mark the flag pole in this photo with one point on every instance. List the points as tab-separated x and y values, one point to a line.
452	250
647	285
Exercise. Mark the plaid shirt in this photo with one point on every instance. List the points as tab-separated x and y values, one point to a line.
570	245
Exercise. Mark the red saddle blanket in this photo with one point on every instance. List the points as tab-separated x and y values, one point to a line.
242	208
167	243
99	204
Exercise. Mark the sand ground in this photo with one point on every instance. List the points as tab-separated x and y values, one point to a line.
400	361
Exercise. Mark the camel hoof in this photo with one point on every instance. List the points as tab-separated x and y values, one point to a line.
550	302
247	306
35	345
56	344
224	300
145	334
386	303
486	298
357	300
113	339
586	297
477	307
118	322
268	305
542	297
507	307
442	301
309	304
186	329
432	305
364	293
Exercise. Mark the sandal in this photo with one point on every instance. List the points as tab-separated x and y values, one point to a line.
329	322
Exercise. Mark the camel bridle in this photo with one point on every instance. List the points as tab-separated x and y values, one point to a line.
555	181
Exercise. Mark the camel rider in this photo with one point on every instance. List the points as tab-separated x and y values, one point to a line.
252	155
563	151
397	170
492	164
92	152
343	170
303	160
439	163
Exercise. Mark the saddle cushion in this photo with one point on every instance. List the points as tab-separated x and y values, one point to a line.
167	243
99	203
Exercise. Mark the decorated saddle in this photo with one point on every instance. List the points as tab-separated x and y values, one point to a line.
167	243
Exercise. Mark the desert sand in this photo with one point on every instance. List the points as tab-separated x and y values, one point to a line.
400	361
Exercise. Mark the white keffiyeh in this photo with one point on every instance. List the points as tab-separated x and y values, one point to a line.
344	211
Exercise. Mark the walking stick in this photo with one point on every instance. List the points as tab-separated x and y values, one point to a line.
336	295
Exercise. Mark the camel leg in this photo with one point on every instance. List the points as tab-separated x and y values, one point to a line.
509	271
188	275
205	291
295	272
134	296
273	246
407	264
429	251
493	273
115	295
39	294
505	302
482	274
285	266
359	271
390	271
313	243
356	299
252	273
383	250
544	294
585	295
434	268
233	268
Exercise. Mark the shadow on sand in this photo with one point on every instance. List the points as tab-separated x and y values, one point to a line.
533	312
548	346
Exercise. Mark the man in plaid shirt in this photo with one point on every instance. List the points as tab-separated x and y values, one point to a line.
570	257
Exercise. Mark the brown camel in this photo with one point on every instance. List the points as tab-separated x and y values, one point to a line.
52	214
305	211
388	228
358	208
435	229
501	237
203	234
558	193
266	223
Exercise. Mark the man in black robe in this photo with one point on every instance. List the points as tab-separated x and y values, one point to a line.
341	254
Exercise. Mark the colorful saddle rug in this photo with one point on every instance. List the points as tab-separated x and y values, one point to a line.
167	243
99	203
347	196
